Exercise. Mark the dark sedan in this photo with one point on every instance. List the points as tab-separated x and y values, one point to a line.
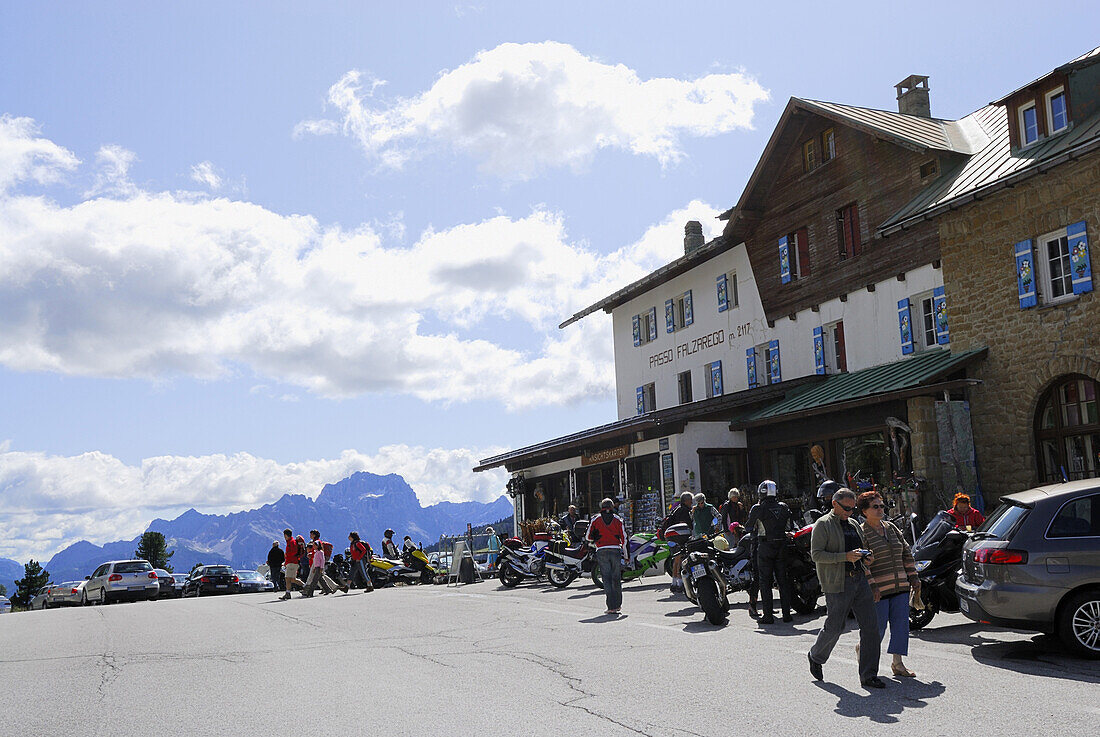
252	582
206	580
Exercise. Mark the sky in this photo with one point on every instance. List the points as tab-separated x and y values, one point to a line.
247	249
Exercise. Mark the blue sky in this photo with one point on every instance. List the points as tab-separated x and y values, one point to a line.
234	262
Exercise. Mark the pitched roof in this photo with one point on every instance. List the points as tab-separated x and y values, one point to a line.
1083	60
911	131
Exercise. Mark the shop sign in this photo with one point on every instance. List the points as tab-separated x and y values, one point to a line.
603	456
662	444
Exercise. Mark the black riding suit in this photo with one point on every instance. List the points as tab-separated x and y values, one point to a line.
769	520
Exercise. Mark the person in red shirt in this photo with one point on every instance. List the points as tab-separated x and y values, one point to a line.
966	517
292	554
606	532
360	557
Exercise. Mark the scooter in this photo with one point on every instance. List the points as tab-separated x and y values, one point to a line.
564	564
644	551
385	571
418	561
938	555
517	562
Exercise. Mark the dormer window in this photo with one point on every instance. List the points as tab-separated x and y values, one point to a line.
1057	115
828	145
1029	124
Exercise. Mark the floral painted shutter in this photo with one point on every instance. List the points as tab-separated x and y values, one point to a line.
1025	275
905	326
640	393
716	378
750	361
819	351
653	323
939	310
1080	266
636	323
784	261
773	348
689	314
670	317
723	294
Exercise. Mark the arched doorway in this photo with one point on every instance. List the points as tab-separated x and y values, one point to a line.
1067	429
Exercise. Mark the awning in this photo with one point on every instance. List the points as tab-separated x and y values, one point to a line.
925	373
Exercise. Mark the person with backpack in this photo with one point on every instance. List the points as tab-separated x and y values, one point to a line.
292	562
607	533
389	547
360	557
317	577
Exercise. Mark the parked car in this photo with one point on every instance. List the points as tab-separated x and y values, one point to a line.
180	580
38	601
1035	565
253	582
65	594
206	580
166	584
5	605
119	580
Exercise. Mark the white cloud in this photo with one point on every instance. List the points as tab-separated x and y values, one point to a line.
113	174
156	284
205	174
53	501
522	108
26	156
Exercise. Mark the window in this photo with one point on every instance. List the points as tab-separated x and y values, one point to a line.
678	312
1078	518
727	291
809	155
646	398
1067	430
714	379
1029	124
799	250
767	361
1055	273
929	169
1057	115
836	361
924	321
683	381
847	226
645	327
828	145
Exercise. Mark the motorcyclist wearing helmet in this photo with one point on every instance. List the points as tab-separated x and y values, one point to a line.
389	547
823	501
681	515
769	519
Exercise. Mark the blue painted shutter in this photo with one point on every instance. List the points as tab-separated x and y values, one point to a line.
716	378
773	347
905	326
784	261
1080	266
640	393
1025	275
939	312
670	317
819	351
750	361
723	295
689	314
653	323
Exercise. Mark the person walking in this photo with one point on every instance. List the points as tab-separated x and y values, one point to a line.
360	558
317	577
275	558
893	576
291	559
839	551
769	519
304	560
703	516
607	533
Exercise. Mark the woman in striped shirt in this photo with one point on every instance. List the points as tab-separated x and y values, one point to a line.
892	574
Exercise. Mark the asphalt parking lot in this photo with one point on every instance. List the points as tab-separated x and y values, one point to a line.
483	660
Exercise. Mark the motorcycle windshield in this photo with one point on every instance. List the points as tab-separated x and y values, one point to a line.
936	531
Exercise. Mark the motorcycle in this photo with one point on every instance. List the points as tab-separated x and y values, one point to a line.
705	581
418	561
938	555
385	571
802	580
517	562
644	551
564	564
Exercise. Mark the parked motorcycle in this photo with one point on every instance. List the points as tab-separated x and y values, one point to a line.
802	572
385	571
644	551
418	561
517	562
564	564
704	580
938	555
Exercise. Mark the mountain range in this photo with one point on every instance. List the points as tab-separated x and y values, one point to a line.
365	502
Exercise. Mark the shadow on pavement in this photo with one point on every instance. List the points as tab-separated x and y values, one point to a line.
603	618
882	706
1043	655
685	612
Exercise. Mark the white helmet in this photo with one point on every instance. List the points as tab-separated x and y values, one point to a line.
767	488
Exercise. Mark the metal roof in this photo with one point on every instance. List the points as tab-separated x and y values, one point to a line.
912	131
1083	60
921	370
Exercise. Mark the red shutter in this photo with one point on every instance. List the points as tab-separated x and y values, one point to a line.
841	356
857	245
803	252
844	234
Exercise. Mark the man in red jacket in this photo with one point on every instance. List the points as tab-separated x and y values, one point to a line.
966	517
606	532
292	554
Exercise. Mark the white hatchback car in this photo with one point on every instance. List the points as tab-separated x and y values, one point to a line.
119	580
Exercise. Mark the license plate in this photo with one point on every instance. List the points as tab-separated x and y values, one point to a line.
135	588
698	571
222	585
964	605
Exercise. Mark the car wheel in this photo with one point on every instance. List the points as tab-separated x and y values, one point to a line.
83	598
1079	623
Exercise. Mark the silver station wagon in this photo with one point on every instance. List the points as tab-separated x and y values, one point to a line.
1035	565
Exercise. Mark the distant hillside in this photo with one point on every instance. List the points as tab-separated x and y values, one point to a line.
10	571
364	502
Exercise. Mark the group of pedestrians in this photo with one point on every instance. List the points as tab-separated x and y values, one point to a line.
297	556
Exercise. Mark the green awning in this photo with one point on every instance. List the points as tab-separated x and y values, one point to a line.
925	372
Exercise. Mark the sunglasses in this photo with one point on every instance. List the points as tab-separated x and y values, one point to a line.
877	506
846	509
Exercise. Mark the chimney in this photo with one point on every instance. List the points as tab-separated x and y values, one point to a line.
913	96
693	237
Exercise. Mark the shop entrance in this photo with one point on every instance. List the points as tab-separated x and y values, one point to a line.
722	469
